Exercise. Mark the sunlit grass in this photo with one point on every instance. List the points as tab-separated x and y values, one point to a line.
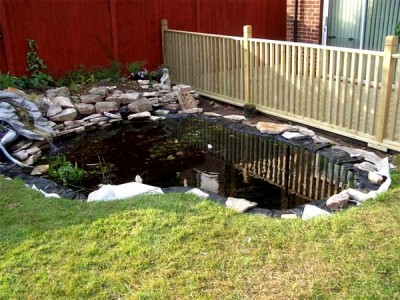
177	246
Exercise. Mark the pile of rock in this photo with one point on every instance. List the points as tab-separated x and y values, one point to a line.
103	106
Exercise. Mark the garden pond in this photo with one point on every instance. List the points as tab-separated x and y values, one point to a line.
221	157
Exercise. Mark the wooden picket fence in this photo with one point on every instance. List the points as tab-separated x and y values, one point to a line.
350	92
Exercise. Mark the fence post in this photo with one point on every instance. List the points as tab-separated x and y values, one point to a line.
247	34
391	43
164	26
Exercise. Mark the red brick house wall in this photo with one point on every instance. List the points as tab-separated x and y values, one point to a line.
309	16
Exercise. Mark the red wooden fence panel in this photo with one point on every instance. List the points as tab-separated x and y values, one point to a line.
96	32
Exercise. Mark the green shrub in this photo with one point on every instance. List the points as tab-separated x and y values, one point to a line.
397	29
64	171
135	66
113	72
7	80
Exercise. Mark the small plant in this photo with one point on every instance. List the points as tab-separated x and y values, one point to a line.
35	66
134	67
113	72
64	171
7	80
397	29
35	63
249	110
137	70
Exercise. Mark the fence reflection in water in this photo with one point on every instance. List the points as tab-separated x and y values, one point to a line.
301	175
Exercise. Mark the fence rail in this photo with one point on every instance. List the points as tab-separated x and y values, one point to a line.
354	93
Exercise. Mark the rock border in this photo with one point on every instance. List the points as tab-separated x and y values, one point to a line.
105	106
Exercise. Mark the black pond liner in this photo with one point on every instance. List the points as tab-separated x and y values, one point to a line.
222	157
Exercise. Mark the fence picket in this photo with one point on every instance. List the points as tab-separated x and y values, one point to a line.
335	89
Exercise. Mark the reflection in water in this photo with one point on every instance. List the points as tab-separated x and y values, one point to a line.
206	154
300	175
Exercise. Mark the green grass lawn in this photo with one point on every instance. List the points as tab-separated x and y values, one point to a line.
177	246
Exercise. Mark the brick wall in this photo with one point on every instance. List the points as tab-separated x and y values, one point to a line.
309	21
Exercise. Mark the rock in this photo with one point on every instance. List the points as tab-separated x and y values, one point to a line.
274	128
186	100
112	116
52	124
239	204
85	109
150	94
306	131
366	166
53	110
139	116
196	96
68	114
32	159
126	98
172	106
199	193
43	103
141	105
99	119
62	91
21	145
114	120
161	112
101	91
311	211
191	111
156	118
106	125
21	155
40	170
106	106
65	102
339	200
294	135
72	124
59	127
144	86
153	100
122	191
33	150
183	87
91	98
168	98
375	177
235	117
369	156
91	117
143	81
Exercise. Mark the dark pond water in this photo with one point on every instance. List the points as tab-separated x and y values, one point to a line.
226	160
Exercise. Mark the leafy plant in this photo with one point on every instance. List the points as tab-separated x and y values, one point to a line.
113	72
35	63
64	171
7	80
135	67
35	66
397	29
